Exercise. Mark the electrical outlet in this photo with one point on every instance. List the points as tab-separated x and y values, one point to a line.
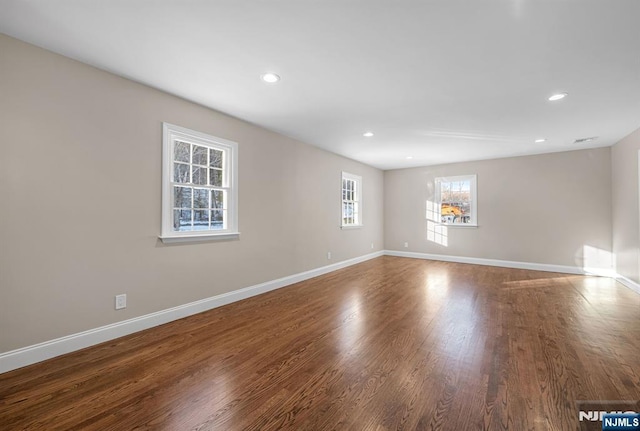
328	255
371	245
406	245
121	301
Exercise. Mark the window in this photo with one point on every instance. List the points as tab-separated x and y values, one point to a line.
456	200
199	186
351	200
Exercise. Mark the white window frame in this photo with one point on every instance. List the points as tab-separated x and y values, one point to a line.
358	181
474	198
172	133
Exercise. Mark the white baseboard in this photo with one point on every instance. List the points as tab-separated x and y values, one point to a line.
490	262
600	272
628	283
39	352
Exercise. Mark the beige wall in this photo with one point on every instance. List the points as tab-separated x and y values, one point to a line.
626	217
80	176
539	209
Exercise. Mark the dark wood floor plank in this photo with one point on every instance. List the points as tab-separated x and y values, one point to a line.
389	344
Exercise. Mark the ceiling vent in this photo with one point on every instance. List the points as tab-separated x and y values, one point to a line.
583	140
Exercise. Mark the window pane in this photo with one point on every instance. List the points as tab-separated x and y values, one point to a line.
215	177
217	219
200	219
456	201
199	175
181	152
217	199
200	198
180	173
200	155
182	197
348	213
215	158
182	220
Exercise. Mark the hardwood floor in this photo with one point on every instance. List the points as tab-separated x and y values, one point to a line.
389	344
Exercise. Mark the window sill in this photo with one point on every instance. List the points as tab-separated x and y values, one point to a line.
355	226
457	225
200	237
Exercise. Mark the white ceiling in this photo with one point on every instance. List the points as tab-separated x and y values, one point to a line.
442	81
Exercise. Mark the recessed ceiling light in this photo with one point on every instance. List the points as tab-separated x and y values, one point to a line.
539	141
409	157
270	78
557	96
367	134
